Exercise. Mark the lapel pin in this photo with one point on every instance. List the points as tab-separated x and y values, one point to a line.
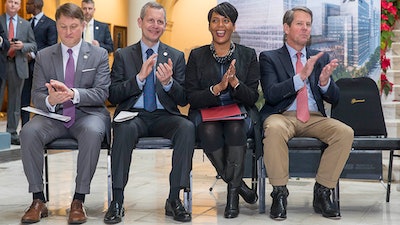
97	27
85	56
165	53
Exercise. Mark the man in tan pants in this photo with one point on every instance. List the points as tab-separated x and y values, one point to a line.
295	81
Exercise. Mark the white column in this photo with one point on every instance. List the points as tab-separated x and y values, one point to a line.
134	32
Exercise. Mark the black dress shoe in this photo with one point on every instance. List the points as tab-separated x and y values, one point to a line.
175	208
322	202
279	203
15	141
249	195
114	213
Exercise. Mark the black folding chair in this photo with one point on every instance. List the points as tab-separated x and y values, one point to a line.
360	107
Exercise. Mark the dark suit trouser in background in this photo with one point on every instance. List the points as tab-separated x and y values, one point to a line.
26	94
89	131
160	124
279	128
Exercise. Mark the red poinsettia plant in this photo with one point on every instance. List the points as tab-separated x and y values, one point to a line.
389	15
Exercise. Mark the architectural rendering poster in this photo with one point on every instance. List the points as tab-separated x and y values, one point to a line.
348	30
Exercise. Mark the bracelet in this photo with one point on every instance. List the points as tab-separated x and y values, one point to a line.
211	90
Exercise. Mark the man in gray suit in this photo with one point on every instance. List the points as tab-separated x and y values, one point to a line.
134	70
96	32
82	89
22	41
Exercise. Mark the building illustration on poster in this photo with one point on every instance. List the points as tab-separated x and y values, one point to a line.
348	30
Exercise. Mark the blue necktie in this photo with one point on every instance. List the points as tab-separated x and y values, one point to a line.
68	107
149	90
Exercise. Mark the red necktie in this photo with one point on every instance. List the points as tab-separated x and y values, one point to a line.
302	111
68	106
11	51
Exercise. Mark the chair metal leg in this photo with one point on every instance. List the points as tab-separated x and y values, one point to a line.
46	174
187	195
389	183
215	182
261	184
109	181
335	197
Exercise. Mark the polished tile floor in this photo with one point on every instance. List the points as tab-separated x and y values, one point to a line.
362	202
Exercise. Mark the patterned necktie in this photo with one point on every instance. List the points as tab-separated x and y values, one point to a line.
11	51
33	22
302	111
149	89
68	106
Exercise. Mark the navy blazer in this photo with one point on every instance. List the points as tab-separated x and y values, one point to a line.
103	36
45	32
277	73
3	53
124	89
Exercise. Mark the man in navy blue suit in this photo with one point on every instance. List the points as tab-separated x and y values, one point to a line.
296	80
96	33
4	46
45	32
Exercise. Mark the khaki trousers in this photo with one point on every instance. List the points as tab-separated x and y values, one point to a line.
279	128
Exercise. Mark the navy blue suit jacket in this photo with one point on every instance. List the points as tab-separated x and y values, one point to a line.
124	90
3	53
103	36
45	32
277	73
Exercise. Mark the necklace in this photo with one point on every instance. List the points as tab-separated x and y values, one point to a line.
223	59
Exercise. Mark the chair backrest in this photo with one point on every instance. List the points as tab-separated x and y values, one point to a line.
360	106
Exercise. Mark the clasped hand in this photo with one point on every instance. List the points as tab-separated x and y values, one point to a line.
58	92
229	78
163	72
326	71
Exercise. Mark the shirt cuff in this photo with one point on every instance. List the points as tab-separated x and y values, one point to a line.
140	83
77	97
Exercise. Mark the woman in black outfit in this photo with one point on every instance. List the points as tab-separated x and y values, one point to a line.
224	73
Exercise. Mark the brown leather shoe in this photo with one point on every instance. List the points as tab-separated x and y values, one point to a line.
77	214
36	211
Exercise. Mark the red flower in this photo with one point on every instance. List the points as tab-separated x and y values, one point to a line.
384	17
385	27
385	63
386	5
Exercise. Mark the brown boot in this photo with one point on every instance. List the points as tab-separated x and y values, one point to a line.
36	211
77	214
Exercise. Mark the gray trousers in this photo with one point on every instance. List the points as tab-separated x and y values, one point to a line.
88	130
15	85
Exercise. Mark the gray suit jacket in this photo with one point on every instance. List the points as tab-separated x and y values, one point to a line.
124	89
24	34
92	78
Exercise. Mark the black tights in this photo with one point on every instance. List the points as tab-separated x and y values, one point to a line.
217	134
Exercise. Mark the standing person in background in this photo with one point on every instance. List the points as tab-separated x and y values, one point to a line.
22	41
45	32
224	73
295	81
148	77
96	32
4	46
